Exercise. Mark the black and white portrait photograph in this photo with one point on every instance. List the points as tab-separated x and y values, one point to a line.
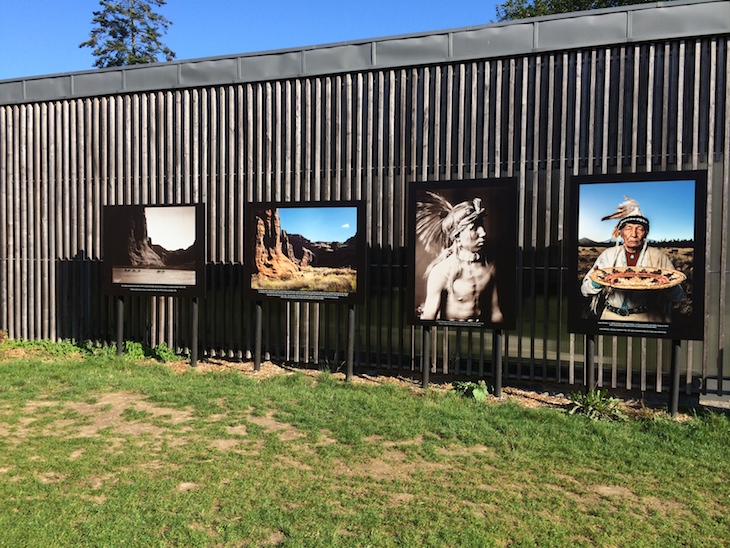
464	245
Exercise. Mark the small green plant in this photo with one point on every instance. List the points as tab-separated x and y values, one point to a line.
135	350
596	405
469	389
164	353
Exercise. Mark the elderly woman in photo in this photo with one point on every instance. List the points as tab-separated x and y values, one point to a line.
631	250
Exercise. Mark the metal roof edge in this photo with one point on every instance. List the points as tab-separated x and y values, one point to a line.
671	19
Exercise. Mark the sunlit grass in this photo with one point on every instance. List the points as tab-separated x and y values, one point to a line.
102	451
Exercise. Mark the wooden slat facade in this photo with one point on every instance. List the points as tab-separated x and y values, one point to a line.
539	117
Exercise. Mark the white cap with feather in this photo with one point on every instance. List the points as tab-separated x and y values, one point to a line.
627	212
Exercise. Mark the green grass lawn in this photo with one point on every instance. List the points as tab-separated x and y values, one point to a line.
100	451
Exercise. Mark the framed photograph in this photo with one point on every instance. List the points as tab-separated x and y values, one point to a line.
306	251
154	250
636	254
463	249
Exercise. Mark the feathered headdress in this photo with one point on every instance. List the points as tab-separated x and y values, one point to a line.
438	222
627	212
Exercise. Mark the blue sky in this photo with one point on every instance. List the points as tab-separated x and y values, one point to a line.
320	224
669	206
42	36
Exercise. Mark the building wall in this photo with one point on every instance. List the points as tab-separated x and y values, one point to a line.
540	117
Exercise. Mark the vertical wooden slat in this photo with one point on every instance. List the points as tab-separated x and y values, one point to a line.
368	140
460	122
666	99
292	126
55	183
211	181
577	109
25	179
390	208
497	133
10	214
519	165
6	156
406	135
535	105
591	128
46	255
486	122
562	170
326	148
240	176
681	98
297	129
712	235
649	137
725	220
549	162
34	242
276	148
337	135
415	113
143	144
307	142
426	123
434	170
379	209
176	120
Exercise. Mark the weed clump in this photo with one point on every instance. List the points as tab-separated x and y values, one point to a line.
475	390
596	405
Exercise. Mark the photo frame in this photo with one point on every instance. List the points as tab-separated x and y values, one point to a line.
620	283
306	251
154	250
454	282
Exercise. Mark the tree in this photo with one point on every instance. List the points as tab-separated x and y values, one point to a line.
128	32
521	9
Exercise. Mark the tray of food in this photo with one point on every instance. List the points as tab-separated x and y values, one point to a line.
637	277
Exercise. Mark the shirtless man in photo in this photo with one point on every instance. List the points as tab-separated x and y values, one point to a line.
460	281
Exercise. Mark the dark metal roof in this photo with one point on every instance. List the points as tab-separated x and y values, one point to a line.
631	24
